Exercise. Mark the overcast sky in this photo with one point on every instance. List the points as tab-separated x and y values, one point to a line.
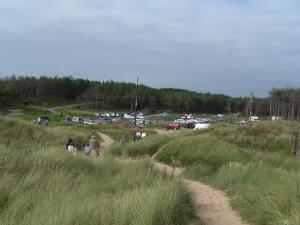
222	46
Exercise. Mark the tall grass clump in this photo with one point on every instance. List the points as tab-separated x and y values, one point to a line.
147	146
266	136
42	184
263	195
263	182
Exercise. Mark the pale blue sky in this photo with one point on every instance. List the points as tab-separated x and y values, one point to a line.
223	46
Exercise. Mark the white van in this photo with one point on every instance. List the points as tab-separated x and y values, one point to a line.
202	126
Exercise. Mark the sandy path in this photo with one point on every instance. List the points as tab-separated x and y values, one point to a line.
53	110
211	205
15	112
106	142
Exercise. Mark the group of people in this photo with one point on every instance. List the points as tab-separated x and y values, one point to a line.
139	135
92	147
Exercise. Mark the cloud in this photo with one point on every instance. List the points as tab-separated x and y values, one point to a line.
229	46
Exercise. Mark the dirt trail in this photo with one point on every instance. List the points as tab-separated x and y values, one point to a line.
53	110
211	205
106	142
15	112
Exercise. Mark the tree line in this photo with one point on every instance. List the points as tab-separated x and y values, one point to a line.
111	95
285	103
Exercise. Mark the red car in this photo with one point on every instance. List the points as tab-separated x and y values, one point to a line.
172	126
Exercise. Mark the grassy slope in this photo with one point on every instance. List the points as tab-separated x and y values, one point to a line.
251	163
148	146
262	179
41	184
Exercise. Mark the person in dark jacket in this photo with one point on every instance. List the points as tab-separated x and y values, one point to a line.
70	142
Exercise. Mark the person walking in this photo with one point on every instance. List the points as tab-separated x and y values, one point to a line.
70	146
87	149
94	145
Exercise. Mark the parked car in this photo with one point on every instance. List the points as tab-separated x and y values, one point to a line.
89	122
172	126
180	121
41	119
67	119
242	122
202	126
77	120
254	119
189	125
104	121
127	116
119	121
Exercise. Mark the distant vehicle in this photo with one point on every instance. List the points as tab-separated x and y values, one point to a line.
131	124
104	121
188	117
189	125
140	116
274	118
128	116
103	114
242	122
119	121
172	126
166	114
41	119
67	119
254	118
202	126
180	121
147	122
89	122
77	120
106	115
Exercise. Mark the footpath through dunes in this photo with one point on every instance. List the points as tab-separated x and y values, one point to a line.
55	112
211	205
106	141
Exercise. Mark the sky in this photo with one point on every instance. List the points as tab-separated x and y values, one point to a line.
233	47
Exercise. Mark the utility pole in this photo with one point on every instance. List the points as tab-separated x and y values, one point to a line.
251	106
135	109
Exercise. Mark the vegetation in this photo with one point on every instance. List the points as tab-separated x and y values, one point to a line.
111	95
262	180
285	103
148	146
252	163
31	116
42	184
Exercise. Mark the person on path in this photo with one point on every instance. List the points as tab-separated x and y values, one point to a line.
70	142
87	149
94	145
70	146
138	135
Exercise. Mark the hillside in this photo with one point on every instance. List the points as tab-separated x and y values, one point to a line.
252	164
40	183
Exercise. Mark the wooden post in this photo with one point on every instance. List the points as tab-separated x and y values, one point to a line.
295	140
